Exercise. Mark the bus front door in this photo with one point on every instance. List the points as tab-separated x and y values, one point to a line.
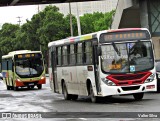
96	65
54	71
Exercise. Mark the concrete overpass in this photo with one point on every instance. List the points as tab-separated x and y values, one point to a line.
140	13
33	2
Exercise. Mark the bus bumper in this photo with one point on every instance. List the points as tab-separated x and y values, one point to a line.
130	89
30	83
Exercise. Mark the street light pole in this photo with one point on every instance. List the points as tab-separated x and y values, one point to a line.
70	14
19	20
39	42
78	21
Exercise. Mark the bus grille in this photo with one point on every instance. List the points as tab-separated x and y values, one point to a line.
27	83
130	88
129	79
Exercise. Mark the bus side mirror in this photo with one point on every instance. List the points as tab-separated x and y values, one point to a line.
99	51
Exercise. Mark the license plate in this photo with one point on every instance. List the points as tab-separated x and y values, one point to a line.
30	84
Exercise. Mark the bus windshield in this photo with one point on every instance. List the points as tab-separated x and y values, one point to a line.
128	57
29	67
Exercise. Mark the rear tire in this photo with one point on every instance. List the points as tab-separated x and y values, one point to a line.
138	96
94	99
74	97
65	93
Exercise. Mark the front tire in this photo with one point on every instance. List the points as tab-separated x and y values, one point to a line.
8	87
15	88
138	96
39	86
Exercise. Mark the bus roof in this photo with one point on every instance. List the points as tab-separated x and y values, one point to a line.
72	39
11	54
89	36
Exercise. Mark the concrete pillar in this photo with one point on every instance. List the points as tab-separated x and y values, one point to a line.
144	14
156	43
144	18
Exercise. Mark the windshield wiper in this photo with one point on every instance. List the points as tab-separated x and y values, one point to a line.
116	49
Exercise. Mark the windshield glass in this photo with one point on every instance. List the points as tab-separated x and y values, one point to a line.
127	57
29	67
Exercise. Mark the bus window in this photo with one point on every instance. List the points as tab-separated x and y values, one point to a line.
59	57
4	65
88	53
79	53
72	57
9	64
64	55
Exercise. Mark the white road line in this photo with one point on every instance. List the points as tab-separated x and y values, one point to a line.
83	119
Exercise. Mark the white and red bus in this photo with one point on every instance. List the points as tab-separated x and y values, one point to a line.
103	63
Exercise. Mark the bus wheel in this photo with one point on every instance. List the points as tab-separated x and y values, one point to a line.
138	96
65	93
15	88
32	87
39	86
74	97
8	87
94	99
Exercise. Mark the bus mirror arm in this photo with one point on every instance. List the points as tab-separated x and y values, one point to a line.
99	51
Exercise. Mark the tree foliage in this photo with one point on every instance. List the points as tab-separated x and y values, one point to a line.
8	37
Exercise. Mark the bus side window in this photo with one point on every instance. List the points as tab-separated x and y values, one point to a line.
88	53
4	65
64	55
59	57
79	53
10	64
72	57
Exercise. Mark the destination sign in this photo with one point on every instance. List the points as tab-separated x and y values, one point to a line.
28	55
125	35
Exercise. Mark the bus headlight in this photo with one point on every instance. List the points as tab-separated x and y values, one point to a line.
150	78
108	82
42	77
158	75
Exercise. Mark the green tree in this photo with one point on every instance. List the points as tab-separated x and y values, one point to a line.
96	21
52	27
8	37
67	28
104	22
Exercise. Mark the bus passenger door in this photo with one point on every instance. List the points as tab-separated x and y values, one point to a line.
7	74
96	65
54	70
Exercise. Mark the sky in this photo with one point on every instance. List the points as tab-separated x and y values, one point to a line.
10	14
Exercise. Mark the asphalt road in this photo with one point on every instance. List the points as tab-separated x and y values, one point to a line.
53	105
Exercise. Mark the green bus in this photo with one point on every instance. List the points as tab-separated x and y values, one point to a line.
23	68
